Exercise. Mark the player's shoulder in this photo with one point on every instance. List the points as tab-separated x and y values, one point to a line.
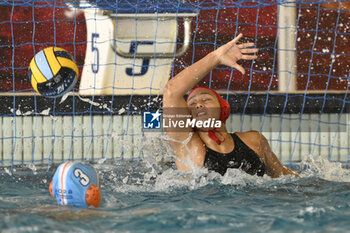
251	138
251	135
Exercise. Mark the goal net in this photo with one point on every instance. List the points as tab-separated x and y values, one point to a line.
295	93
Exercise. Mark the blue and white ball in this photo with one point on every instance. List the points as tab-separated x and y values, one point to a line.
53	72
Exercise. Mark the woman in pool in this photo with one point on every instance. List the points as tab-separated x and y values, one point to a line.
213	147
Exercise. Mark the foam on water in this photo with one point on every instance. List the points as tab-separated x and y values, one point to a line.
157	175
151	195
324	169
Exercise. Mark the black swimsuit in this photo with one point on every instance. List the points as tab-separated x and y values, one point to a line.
241	157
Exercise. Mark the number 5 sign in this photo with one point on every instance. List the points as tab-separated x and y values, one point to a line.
129	53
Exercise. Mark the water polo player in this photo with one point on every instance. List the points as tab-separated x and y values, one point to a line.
214	147
76	184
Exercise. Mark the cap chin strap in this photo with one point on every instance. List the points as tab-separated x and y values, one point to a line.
211	134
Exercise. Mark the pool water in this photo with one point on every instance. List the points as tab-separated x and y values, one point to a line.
142	197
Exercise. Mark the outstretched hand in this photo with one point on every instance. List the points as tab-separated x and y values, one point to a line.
232	52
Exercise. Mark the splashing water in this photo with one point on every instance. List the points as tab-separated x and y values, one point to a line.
324	169
150	195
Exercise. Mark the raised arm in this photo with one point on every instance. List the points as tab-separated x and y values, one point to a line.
227	55
187	145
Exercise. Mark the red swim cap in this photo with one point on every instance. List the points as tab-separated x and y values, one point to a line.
224	105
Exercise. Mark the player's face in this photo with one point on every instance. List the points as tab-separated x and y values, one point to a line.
203	105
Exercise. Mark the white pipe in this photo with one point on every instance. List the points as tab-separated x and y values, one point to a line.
287	47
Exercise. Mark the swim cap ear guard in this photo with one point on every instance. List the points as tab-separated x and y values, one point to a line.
76	184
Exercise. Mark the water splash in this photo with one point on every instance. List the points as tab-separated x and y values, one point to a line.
159	174
45	112
64	97
324	169
32	167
